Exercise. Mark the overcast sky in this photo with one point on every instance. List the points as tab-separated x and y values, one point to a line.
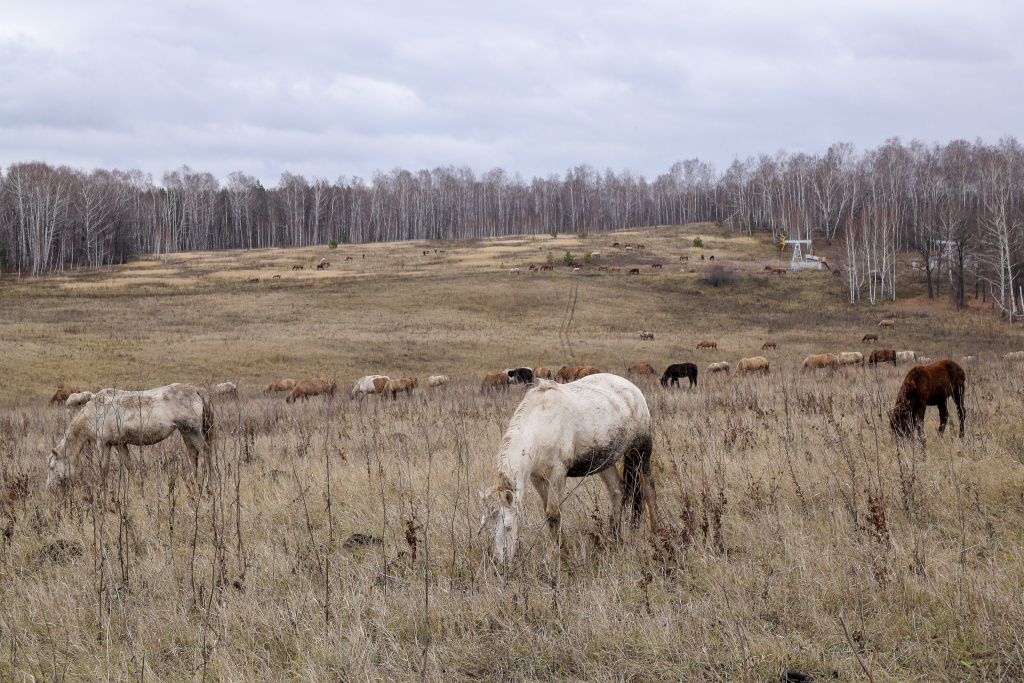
327	89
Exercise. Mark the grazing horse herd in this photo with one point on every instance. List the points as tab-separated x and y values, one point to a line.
575	422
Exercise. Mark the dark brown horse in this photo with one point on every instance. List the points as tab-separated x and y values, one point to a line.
928	385
882	356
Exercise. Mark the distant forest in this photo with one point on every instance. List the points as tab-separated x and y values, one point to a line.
959	205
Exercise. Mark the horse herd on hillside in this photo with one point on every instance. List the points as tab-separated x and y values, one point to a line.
575	422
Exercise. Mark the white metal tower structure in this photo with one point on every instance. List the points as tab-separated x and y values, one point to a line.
800	260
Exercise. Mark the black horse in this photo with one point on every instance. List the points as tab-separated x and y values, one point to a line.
520	375
674	372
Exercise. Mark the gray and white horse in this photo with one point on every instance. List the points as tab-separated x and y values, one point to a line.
570	430
116	419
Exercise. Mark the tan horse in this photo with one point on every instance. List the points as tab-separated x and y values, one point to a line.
906	357
851	358
77	400
755	364
706	344
821	360
280	385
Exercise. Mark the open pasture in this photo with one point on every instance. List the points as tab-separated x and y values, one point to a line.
338	539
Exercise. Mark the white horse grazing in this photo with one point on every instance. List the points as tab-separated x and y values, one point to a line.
364	385
570	430
115	418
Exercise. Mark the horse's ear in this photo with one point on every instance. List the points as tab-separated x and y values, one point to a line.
509	497
482	494
505	484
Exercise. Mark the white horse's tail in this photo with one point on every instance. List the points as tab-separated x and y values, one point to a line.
209	431
638	476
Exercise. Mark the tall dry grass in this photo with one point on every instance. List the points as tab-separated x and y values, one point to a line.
337	540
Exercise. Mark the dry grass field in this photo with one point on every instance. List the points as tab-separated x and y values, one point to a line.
337	539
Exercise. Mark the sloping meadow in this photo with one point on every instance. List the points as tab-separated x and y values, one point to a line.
338	540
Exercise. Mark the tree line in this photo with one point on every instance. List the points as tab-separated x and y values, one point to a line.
958	205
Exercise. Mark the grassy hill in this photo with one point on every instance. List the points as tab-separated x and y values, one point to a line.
337	539
454	310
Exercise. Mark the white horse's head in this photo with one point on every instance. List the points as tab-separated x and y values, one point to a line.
59	470
500	521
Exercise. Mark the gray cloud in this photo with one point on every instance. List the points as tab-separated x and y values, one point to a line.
330	89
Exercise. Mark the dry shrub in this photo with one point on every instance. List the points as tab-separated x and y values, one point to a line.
717	276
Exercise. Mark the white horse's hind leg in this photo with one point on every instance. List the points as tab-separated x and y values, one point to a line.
126	457
613	481
192	453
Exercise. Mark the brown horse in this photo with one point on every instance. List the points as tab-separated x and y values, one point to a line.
542	373
62	395
498	380
769	345
311	387
882	356
707	345
928	385
567	373
585	371
641	369
396	386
